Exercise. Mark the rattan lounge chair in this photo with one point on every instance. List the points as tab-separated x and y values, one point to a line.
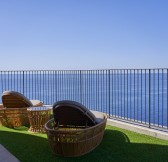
13	110
74	130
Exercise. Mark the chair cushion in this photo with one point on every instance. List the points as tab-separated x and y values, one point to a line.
68	112
98	115
36	102
12	99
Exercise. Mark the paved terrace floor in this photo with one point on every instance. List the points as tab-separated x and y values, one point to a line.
6	156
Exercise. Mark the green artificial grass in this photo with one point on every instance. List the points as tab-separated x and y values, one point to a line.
117	145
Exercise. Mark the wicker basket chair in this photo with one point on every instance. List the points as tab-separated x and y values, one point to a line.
13	111
74	130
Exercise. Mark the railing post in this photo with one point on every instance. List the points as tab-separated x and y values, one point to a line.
23	82
80	86
109	92
149	98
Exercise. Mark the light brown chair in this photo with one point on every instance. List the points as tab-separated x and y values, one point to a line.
13	110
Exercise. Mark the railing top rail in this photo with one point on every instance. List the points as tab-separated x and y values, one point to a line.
87	69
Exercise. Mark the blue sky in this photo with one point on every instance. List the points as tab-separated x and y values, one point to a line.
83	34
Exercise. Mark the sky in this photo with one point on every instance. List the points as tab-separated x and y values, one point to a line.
83	34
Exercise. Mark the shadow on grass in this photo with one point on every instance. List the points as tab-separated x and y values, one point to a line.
115	146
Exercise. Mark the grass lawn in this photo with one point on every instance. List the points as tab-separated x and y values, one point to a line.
117	145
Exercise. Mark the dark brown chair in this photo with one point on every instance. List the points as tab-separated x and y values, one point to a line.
74	130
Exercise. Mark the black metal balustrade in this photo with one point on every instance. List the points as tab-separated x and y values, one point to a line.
134	95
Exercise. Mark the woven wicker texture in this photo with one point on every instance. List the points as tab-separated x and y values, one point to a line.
12	99
74	130
13	112
38	117
13	117
73	141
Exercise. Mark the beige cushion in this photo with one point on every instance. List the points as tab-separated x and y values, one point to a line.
36	102
98	115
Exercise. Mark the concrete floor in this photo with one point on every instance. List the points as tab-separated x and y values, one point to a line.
6	156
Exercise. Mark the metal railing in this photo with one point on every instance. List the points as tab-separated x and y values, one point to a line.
134	95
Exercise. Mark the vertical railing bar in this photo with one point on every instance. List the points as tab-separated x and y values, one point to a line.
127	94
44	86
14	80
52	87
89	88
77	85
73	83
116	72
91	84
35	82
154	120
137	95
130	96
2	81
124	94
112	91
145	96
141	95
81	92
134	94
11	79
55	85
61	85
101	90
32	84
70	82
149	98
158	97
17	80
23	82
78	90
84	89
29	83
26	83
118	83
40	84
5	76
8	80
121	93
96	89
58	84
65	76
167	99
48	87
115	89
101	72
109	91
162	96
65	73
86	93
